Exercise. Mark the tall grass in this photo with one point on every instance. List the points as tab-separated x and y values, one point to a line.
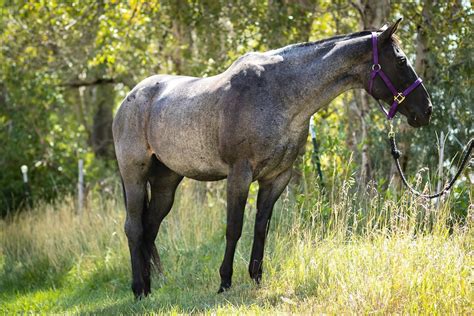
339	252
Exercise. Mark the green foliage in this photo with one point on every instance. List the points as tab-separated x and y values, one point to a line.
57	56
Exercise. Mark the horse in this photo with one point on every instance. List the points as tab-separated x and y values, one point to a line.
245	124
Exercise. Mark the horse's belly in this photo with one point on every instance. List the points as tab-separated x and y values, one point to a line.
188	147
198	165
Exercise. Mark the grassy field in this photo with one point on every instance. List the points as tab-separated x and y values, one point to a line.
333	254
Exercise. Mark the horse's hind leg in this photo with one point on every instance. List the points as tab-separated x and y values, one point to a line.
163	184
134	182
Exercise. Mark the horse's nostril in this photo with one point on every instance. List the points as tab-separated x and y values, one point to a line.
429	110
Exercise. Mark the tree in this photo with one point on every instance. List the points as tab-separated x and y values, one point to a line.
65	66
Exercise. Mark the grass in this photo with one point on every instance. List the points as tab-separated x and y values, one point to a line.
336	254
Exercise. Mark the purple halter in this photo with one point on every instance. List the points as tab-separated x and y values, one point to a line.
398	97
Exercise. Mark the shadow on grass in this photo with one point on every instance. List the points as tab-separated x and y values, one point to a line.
189	284
166	297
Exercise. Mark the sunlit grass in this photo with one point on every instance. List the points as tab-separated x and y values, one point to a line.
338	254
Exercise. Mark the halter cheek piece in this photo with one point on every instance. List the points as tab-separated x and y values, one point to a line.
398	97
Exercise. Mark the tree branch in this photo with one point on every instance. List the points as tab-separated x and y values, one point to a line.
96	82
358	6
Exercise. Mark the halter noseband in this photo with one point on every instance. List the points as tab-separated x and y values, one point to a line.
398	97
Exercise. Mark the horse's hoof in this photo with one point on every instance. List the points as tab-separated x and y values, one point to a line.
256	276
257	280
256	271
141	293
139	297
223	288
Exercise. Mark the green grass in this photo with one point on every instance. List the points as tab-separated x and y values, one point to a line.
341	254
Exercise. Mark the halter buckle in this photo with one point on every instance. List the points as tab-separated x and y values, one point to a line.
376	67
399	98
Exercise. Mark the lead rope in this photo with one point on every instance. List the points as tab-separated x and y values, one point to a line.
396	155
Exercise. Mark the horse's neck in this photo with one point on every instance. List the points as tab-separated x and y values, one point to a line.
317	73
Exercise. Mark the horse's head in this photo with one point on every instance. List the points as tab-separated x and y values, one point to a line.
393	80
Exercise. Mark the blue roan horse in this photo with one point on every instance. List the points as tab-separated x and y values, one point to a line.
245	124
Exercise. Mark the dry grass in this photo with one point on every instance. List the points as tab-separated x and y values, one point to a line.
342	254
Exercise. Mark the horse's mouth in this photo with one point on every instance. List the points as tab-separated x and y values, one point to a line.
416	122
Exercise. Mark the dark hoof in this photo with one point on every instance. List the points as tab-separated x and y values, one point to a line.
139	297
223	288
142	295
256	271
257	279
140	292
256	276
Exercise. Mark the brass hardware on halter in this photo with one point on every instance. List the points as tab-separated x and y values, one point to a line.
391	132
399	98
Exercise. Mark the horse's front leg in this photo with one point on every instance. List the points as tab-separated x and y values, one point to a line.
268	193
238	183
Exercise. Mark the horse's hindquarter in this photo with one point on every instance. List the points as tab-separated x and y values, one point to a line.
183	127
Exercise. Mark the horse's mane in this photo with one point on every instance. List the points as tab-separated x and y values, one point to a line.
333	39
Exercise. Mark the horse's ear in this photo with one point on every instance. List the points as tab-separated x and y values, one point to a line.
388	31
383	28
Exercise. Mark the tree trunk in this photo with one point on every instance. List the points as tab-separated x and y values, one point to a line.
95	112
422	48
423	71
181	30
101	136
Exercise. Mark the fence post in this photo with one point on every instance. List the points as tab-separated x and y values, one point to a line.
80	187
26	185
315	156
440	166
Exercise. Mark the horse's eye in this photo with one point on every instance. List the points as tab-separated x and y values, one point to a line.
401	61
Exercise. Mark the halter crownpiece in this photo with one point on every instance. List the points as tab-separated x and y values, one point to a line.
398	97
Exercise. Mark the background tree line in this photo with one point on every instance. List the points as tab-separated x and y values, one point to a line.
66	65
